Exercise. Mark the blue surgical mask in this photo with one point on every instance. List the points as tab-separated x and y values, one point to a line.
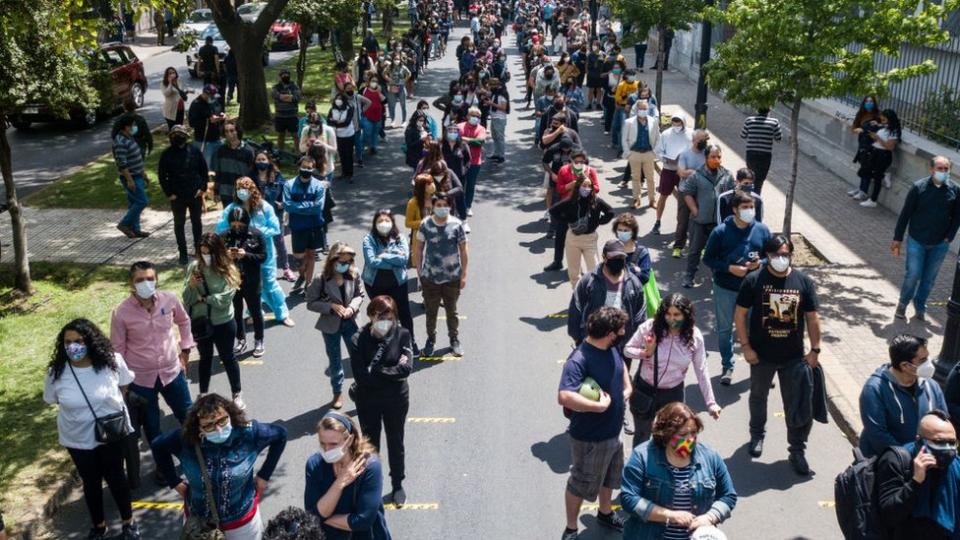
747	215
243	194
868	106
941	176
441	211
452	137
624	236
585	192
219	436
76	351
341	268
135	130
474	120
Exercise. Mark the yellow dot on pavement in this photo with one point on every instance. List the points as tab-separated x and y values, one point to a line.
826	504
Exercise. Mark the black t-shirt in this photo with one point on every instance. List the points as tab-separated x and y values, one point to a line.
778	308
208	54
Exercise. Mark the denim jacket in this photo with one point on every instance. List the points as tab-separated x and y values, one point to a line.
395	258
647	482
230	465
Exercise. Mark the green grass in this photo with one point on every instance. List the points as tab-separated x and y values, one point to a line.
32	459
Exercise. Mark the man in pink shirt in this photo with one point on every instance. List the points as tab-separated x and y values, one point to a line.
142	330
475	135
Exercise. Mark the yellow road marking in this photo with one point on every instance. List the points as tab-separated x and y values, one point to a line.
158	505
413	506
251	362
780	414
593	507
826	504
562	315
937	303
444	358
431	419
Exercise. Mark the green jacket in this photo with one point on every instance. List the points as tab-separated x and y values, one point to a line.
219	296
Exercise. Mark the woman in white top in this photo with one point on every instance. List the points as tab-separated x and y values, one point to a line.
885	140
85	377
173	98
672	341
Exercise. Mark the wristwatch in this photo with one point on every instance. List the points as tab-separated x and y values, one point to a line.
815	349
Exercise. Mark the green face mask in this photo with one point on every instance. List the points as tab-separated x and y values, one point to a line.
676	323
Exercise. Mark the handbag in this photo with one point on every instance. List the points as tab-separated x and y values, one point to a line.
106	429
651	295
644	396
198	527
201	327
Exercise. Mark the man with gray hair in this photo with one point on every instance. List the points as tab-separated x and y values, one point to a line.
932	211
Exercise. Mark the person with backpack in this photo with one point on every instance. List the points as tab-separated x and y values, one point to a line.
897	395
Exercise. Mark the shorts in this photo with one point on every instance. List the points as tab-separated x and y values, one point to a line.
596	464
596	82
286	125
305	239
669	180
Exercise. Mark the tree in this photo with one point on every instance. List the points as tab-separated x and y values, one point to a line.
246	40
789	51
306	13
642	15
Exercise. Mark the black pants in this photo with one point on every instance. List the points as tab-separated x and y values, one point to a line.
683	224
643	424
609	105
400	295
879	162
180	206
131	445
699	232
387	408
223	336
249	293
796	390
759	163
345	152
559	239
104	462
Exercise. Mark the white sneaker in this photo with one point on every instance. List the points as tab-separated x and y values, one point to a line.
238	401
466	227
853	192
470	213
886	181
859	196
868	204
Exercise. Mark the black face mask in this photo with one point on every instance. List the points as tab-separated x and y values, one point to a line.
285	80
944	456
702	145
615	266
179	142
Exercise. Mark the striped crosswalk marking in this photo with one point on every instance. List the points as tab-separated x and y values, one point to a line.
413	506
431	419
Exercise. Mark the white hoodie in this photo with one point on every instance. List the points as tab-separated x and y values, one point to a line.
671	144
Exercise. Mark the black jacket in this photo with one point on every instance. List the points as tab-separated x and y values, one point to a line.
897	495
376	370
571	209
255	247
182	171
198	117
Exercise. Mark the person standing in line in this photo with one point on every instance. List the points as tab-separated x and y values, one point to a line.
475	135
268	176
182	173
386	255
596	450
625	88
567	169
781	301
205	118
372	116
700	195
627	231
885	140
641	134
760	130
213	281
688	162
743	184
582	214
341	117
232	76
304	198
734	249
94	388
499	110
932	212
174	97
673	142
286	108
247	247
133	177
864	122
233	160
208	56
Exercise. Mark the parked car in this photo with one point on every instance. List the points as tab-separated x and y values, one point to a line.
116	73
221	44
196	22
249	12
286	35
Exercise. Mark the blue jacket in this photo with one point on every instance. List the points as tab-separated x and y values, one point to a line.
265	220
890	413
304	203
647	482
729	244
230	465
395	258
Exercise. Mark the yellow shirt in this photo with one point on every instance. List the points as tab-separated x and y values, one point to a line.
413	217
624	89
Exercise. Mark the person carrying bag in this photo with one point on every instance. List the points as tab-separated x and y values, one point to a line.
197	527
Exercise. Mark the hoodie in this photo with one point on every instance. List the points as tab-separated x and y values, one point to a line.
729	244
891	413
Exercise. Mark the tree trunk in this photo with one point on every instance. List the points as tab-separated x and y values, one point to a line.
387	14
22	281
305	35
794	162
255	106
345	44
661	30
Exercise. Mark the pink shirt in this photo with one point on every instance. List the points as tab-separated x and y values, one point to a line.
146	338
471	132
675	357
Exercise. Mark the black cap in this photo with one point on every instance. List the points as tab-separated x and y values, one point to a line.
614	248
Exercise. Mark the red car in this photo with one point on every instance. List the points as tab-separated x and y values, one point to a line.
127	79
286	35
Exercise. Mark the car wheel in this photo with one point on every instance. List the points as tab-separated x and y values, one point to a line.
19	123
136	94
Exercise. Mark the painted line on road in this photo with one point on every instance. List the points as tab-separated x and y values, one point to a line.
413	506
779	414
444	317
158	505
594	507
826	504
444	358
561	315
431	420
561	362
938	303
251	362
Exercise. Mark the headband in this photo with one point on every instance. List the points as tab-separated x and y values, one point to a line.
342	419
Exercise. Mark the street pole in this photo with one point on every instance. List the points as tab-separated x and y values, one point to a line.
700	109
950	351
594	11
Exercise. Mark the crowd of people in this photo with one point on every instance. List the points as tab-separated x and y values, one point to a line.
632	351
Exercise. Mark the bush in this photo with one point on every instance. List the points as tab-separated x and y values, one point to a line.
941	116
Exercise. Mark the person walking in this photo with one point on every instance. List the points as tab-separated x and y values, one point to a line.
182	173
475	136
247	247
92	391
700	195
208	294
286	109
641	134
133	178
386	256
582	213
760	131
336	293
781	302
381	361
932	213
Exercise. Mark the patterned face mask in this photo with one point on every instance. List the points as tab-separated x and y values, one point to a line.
683	446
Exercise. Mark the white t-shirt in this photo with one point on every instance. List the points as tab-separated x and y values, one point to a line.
75	421
497	114
884	135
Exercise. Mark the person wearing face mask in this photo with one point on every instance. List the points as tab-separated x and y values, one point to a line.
475	136
700	196
583	212
626	229
595	76
246	246
682	466
319	139
626	88
641	134
733	250
182	174
336	294
386	256
571	169
744	184
545	77
897	395
609	284
286	105
381	361
344	482
397	75
416	138
87	380
343	116
268	176
133	178
232	160
760	131
372	116
688	162
932	213
305	198
218	442
781	302
141	134
499	110
917	484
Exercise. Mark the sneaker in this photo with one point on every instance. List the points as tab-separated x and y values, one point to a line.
416	350
853	192
131	531
184	259
466	227
469	213
546	216
868	204
455	348
656	228
288	322
97	533
859	196
399	496
799	463
289	275
622	184
727	377
755	448
258	348
127	231
238	401
429	346
337	402
298	284
676	253
901	312
613	520
687	282
920	316
553	267
569	534
240	346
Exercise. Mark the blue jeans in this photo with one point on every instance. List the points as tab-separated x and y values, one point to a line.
923	263
393	99
358	143
332	343
470	185
499	131
209	150
136	201
177	396
640	50
616	128
724	304
369	137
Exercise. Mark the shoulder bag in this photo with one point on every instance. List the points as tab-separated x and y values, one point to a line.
198	527
643	399
201	327
110	428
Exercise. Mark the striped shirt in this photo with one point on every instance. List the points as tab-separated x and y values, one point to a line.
760	132
682	501
127	154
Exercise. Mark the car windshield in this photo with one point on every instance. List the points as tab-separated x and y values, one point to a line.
247	9
200	16
212	31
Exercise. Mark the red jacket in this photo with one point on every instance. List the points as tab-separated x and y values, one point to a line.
566	180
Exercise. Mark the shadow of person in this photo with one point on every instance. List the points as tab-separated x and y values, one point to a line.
555	453
547	323
752	477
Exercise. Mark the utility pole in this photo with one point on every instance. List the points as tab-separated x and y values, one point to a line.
951	335
700	109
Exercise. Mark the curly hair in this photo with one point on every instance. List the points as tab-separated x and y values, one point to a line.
221	263
99	349
208	405
294	524
252	204
660	326
670	419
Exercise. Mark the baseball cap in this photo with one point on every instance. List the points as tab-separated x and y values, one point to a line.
284	71
614	248
210	89
179	130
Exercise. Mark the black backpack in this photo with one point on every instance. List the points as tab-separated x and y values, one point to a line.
855	493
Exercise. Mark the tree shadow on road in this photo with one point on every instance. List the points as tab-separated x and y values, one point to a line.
555	453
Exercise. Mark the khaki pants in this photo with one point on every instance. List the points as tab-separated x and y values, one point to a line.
433	293
577	246
643	162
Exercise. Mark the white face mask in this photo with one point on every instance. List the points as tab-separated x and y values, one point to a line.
382	328
748	214
384	227
926	369
333	455
207	258
678	129
780	263
145	289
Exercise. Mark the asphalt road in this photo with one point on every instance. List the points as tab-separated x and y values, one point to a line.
489	458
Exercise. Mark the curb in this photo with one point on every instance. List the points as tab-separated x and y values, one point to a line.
840	386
